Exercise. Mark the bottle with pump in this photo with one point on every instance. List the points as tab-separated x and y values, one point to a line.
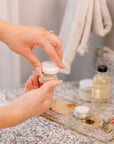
101	88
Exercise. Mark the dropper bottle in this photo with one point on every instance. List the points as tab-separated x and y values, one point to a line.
101	88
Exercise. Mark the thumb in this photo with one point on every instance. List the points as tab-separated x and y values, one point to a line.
49	86
34	60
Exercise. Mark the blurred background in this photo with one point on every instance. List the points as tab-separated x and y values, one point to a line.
15	69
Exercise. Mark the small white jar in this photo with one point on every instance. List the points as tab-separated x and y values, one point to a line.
85	89
50	70
82	112
49	67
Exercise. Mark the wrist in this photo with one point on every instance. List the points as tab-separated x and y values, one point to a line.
4	29
10	115
22	112
19	112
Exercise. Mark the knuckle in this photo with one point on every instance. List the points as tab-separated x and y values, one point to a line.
41	28
46	110
42	31
48	86
53	55
59	43
48	105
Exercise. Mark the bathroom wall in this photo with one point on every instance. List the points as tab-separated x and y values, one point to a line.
83	67
109	39
49	14
9	61
45	13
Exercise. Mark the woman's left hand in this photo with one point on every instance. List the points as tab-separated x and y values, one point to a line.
22	40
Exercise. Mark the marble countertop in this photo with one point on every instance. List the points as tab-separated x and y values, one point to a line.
39	130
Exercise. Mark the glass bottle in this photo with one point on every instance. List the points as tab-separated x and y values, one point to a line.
101	88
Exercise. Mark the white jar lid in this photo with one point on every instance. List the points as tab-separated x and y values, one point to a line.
86	84
82	109
82	112
49	67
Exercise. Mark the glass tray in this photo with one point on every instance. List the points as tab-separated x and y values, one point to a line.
102	129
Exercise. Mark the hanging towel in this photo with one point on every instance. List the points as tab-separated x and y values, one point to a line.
101	18
81	17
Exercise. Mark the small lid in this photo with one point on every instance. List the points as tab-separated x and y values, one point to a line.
86	84
82	109
102	68
82	112
49	67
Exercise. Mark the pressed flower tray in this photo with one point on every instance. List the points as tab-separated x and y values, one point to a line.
102	129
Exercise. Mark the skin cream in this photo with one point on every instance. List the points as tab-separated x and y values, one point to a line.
50	69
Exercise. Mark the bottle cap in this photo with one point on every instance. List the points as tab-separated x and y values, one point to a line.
86	84
49	67
102	68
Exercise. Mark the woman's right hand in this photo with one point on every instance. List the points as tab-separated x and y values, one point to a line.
37	101
32	103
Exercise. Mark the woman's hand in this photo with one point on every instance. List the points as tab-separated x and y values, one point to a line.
37	101
32	83
32	103
22	40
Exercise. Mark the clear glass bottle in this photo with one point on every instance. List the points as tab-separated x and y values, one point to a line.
101	88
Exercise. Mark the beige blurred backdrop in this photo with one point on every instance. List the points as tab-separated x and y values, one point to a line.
49	14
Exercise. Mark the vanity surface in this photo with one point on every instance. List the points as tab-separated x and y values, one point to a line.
39	130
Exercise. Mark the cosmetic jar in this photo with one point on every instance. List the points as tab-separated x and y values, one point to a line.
85	89
50	69
82	112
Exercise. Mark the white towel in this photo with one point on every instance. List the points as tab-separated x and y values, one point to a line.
81	17
101	18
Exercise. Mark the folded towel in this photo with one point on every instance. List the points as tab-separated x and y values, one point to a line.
101	18
81	17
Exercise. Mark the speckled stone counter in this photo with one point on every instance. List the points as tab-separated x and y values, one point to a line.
39	130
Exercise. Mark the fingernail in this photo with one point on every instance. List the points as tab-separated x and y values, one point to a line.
65	67
34	73
57	83
39	72
60	38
